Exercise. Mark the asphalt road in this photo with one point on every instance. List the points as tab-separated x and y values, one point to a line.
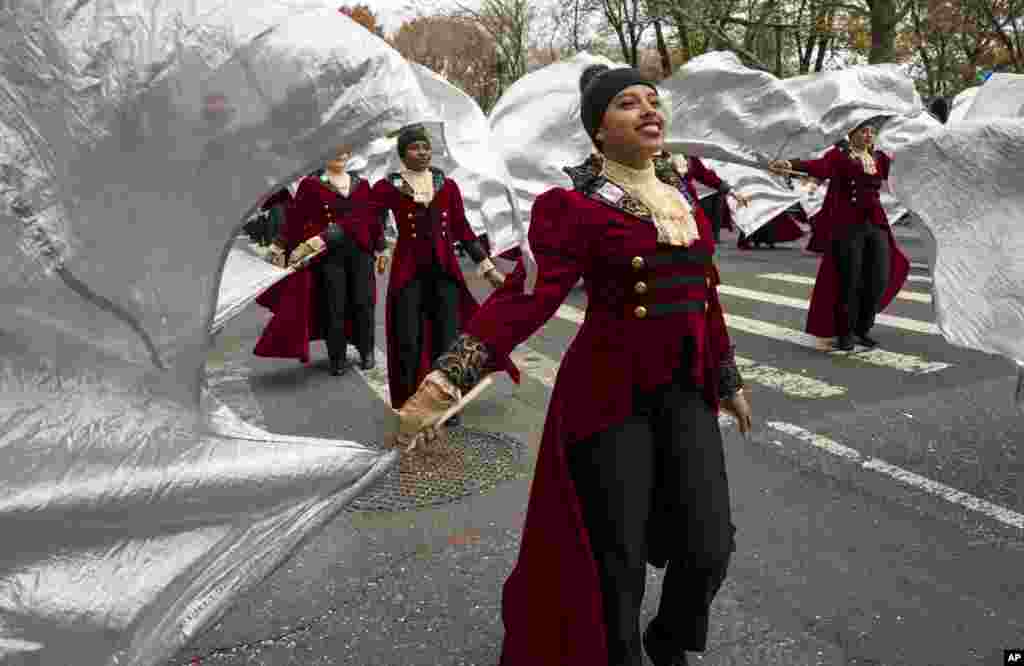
878	504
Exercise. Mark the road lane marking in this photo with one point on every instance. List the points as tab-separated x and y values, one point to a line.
919	278
948	493
915	296
789	383
880	357
903	323
923	265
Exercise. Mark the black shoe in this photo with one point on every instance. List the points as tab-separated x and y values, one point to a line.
338	368
368	362
658	651
845	343
868	342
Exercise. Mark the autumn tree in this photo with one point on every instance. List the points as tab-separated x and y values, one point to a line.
457	49
364	16
508	23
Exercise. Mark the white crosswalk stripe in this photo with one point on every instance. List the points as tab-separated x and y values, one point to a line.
891	321
879	357
919	278
950	494
915	296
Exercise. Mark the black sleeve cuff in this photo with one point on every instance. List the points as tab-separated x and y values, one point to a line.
474	250
466	362
729	378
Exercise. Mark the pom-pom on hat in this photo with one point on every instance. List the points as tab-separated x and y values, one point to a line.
599	84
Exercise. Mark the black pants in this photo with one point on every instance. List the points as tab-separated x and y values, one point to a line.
862	260
346	280
432	296
713	210
665	460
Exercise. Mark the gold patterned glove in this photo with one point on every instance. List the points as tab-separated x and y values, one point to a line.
276	255
305	249
435	396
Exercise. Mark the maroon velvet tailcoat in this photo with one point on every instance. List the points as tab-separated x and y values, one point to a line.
852	198
414	248
296	301
707	177
552	605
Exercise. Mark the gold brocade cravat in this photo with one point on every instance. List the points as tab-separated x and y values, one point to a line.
422	184
866	159
672	214
341	182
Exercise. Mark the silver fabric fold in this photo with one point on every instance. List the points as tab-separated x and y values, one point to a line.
128	162
724	110
963	181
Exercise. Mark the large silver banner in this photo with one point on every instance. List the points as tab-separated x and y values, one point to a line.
133	145
963	181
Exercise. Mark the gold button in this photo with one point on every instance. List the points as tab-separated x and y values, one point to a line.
638	263
640	287
640	312
414	235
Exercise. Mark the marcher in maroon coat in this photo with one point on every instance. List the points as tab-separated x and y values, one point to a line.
333	297
427	295
631	468
719	214
863	268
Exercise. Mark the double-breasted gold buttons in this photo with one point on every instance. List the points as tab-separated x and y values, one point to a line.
640	312
637	263
640	287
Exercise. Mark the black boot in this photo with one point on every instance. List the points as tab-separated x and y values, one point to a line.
367	362
845	342
659	651
338	368
868	342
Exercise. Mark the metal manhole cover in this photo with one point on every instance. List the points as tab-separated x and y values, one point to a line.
471	462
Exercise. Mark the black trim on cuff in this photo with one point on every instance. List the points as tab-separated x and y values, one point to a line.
729	378
466	362
474	250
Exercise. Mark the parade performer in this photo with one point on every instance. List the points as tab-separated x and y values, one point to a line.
335	296
631	467
427	296
862	268
717	209
782	228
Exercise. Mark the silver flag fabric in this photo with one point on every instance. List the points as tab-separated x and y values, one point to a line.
724	110
135	507
963	180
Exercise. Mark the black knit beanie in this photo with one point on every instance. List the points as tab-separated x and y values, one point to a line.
599	84
411	134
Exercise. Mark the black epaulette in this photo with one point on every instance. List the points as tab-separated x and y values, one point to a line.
584	177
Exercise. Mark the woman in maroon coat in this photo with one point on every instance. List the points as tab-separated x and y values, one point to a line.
631	468
427	294
863	269
333	297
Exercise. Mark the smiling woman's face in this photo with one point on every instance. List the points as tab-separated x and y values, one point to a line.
634	123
